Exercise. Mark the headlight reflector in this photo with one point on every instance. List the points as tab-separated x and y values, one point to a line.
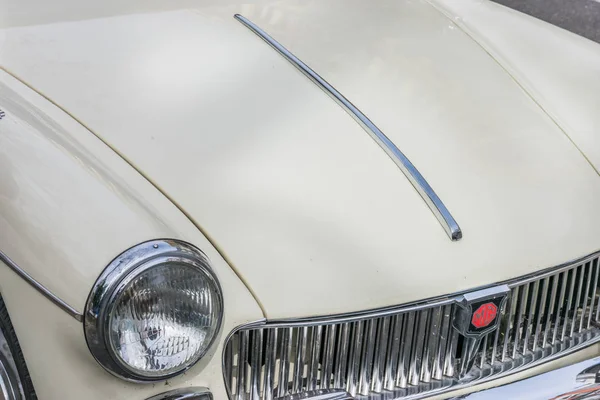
154	311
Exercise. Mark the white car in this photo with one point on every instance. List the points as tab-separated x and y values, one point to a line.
391	199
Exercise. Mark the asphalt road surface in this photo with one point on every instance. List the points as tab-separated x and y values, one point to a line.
579	16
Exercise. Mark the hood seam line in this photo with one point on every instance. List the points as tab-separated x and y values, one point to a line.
490	52
172	201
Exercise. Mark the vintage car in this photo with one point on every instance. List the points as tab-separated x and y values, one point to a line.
382	200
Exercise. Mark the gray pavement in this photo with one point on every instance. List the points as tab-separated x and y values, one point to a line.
578	16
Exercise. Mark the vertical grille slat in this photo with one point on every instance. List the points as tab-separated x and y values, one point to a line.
495	346
560	305
419	343
439	359
483	351
531	306
431	344
366	365
406	350
242	358
581	273
342	356
450	362
586	292
550	310
327	365
394	352
315	349
567	318
511	306
540	312
353	367
414	350
284	363
381	345
300	344
518	327
270	362
256	360
596	265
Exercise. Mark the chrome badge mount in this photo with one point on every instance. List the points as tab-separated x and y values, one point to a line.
477	314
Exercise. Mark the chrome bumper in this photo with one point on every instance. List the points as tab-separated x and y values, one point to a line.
579	381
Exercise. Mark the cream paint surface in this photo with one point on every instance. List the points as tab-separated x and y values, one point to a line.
306	207
561	70
68	206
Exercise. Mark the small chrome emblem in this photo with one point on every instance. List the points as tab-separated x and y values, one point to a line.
477	314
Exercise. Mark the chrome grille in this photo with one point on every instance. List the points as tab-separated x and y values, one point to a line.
414	351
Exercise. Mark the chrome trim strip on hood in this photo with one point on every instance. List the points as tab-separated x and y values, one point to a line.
40	288
414	176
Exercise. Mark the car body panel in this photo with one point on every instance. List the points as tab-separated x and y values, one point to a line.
558	68
307	209
62	367
68	206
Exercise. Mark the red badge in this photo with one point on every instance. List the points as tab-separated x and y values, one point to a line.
484	315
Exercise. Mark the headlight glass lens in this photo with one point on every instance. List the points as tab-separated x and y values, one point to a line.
154	311
163	318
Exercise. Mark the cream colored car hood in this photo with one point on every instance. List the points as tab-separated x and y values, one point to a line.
305	206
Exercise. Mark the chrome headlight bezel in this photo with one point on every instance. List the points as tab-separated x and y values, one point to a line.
113	280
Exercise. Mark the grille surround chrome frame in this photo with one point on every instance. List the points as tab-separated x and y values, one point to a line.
588	338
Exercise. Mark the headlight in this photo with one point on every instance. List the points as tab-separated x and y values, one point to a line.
154	311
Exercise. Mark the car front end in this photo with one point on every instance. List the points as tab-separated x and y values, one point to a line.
290	200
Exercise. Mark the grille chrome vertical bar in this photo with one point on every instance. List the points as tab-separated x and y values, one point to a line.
598	306
256	361
301	340
419	340
381	348
366	365
315	349
270	360
560	305
410	171
569	304
511	306
328	352
354	357
541	312
432	335
531	304
450	359
595	288
483	352
342	356
445	331
495	346
228	364
406	349
242	357
586	294
581	271
550	310
284	362
391	363
518	328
